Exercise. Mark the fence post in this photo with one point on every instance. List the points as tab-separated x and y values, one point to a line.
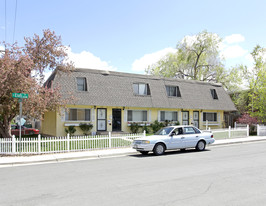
258	130
110	137
229	131
247	130
144	133
68	145
13	144
39	143
206	124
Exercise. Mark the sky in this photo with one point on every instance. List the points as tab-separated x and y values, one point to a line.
129	35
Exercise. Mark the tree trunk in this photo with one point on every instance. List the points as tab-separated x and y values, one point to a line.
5	129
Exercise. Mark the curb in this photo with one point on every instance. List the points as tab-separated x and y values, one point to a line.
54	159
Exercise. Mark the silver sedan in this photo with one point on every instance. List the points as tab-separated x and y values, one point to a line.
173	137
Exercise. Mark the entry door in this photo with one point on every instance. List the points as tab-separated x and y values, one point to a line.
116	120
101	120
196	119
185	118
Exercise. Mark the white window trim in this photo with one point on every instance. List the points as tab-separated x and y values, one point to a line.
159	115
213	122
147	88
138	121
86	85
81	121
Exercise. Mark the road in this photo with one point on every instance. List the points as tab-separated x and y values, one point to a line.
221	175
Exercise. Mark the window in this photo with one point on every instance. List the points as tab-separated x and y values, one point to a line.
189	130
81	84
78	115
212	117
173	91
168	115
137	116
141	89
214	94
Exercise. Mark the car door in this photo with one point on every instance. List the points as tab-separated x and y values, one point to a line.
190	137
177	139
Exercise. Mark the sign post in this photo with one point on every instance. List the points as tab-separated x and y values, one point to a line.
20	96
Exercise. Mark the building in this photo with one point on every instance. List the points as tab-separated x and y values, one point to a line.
111	101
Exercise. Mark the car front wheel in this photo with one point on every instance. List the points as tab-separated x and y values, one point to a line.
201	146
159	149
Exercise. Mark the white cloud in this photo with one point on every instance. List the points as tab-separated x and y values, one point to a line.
2	49
87	60
139	65
234	38
235	51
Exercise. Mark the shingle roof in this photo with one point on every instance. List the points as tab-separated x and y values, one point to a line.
115	89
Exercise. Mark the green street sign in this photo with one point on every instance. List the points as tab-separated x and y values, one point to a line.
20	95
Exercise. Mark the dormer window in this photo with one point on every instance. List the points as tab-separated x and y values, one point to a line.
173	91
141	89
214	94
81	84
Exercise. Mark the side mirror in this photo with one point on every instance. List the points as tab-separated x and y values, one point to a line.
172	134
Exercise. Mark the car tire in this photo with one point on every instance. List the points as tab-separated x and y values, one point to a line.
144	152
159	149
201	145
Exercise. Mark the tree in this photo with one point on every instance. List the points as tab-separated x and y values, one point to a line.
256	79
22	71
247	119
197	58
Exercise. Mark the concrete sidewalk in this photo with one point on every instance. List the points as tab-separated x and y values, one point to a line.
8	161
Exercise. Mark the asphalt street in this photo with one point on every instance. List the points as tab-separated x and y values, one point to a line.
221	175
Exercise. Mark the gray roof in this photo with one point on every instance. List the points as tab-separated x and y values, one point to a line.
108	88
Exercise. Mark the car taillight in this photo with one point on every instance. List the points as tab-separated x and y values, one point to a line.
212	136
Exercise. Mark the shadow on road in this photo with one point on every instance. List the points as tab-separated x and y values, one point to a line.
168	153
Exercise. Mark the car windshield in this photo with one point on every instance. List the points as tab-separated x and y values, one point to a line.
164	131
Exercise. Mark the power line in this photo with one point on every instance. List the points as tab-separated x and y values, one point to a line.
5	22
14	31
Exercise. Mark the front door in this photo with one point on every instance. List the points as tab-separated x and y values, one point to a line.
116	120
196	119
185	118
101	120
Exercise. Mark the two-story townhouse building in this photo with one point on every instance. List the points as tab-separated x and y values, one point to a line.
111	101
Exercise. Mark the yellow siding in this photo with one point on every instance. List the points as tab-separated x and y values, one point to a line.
54	123
49	124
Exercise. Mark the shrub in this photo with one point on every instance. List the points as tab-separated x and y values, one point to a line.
70	130
85	128
146	128
156	126
134	127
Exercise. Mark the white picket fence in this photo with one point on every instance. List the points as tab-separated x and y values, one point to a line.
227	133
46	145
261	130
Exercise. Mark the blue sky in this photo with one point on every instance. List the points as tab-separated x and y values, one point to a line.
128	35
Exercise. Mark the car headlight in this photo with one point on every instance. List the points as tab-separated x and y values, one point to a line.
145	142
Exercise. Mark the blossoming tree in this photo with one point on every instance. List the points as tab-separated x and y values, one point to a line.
22	71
